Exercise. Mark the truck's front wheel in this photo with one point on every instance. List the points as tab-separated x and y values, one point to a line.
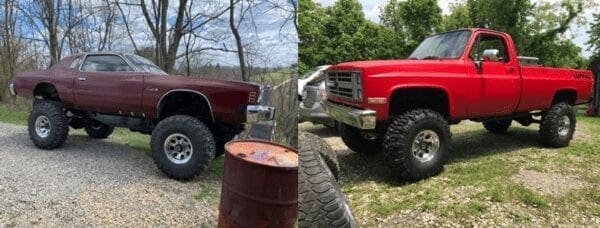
182	146
558	125
418	143
360	142
48	124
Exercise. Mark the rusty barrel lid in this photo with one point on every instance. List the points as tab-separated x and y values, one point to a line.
260	185
264	153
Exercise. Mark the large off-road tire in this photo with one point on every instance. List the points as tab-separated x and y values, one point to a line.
358	141
558	125
417	142
98	130
497	126
48	124
314	142
321	203
182	147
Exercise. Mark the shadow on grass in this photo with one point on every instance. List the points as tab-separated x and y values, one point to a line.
466	145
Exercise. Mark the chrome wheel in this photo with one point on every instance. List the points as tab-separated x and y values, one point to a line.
42	126
178	148
564	126
425	145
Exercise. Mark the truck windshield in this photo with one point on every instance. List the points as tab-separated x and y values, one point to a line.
145	64
443	46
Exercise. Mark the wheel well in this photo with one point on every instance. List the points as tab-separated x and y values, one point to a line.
428	98
186	103
46	91
568	96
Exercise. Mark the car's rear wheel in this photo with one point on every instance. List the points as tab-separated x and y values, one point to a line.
98	130
182	146
558	125
48	124
360	141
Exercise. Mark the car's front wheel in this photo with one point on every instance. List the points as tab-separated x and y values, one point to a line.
48	124
182	146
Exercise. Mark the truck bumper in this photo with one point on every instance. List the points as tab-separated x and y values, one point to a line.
362	119
11	87
256	113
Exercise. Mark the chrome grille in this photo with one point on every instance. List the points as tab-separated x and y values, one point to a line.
345	84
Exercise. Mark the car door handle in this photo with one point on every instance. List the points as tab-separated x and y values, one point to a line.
151	89
81	78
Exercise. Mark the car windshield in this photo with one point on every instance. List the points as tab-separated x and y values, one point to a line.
443	46
145	64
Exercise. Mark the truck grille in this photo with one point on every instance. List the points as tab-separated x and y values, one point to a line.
345	84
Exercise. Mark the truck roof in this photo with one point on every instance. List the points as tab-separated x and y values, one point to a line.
472	30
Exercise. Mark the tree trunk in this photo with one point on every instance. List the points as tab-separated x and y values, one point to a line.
238	40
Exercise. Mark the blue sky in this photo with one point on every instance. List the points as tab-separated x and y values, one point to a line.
577	33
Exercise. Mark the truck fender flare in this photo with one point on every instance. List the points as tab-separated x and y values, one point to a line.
422	86
212	116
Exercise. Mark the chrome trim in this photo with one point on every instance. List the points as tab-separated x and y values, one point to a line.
362	119
11	88
186	90
256	113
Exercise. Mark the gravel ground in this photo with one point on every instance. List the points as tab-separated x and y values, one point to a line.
93	182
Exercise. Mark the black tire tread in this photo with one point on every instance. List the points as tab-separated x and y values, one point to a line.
59	132
320	202
197	131
324	150
354	140
549	125
397	139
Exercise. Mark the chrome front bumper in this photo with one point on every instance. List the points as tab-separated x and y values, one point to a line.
11	87
362	119
256	113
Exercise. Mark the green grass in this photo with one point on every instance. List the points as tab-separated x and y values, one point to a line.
14	114
273	78
477	182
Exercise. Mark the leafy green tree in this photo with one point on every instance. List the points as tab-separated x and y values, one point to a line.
459	17
311	31
594	33
416	19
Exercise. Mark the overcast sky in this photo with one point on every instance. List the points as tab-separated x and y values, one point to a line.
371	10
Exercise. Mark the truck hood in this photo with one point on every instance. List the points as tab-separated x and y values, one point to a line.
404	65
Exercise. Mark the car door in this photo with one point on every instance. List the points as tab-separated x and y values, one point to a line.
106	83
494	85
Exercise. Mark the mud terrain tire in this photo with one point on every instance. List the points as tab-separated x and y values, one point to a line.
417	142
48	124
558	125
182	147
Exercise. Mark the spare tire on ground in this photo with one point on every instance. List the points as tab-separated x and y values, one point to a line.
321	203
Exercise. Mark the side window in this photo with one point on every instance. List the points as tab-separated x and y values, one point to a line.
75	63
110	63
487	42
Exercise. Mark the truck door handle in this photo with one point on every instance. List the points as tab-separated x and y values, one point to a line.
509	69
81	78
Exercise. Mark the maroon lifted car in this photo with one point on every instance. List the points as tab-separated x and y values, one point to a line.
190	119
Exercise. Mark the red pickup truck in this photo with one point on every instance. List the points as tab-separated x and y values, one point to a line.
190	119
404	107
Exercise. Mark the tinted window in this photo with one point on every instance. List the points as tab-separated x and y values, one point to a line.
75	62
485	42
110	63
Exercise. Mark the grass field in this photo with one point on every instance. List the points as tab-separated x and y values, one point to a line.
490	180
19	112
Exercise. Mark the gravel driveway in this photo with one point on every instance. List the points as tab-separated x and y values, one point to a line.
93	182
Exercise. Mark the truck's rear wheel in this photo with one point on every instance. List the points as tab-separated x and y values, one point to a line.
418	143
358	141
98	130
497	126
182	147
48	124
558	125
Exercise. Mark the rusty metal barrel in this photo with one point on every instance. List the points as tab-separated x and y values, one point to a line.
260	185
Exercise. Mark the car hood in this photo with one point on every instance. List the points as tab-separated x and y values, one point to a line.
211	82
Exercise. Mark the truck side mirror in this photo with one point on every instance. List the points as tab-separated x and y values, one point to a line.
491	55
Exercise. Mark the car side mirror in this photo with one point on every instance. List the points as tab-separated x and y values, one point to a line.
490	55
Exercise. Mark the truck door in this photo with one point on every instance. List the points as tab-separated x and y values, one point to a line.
494	82
107	84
